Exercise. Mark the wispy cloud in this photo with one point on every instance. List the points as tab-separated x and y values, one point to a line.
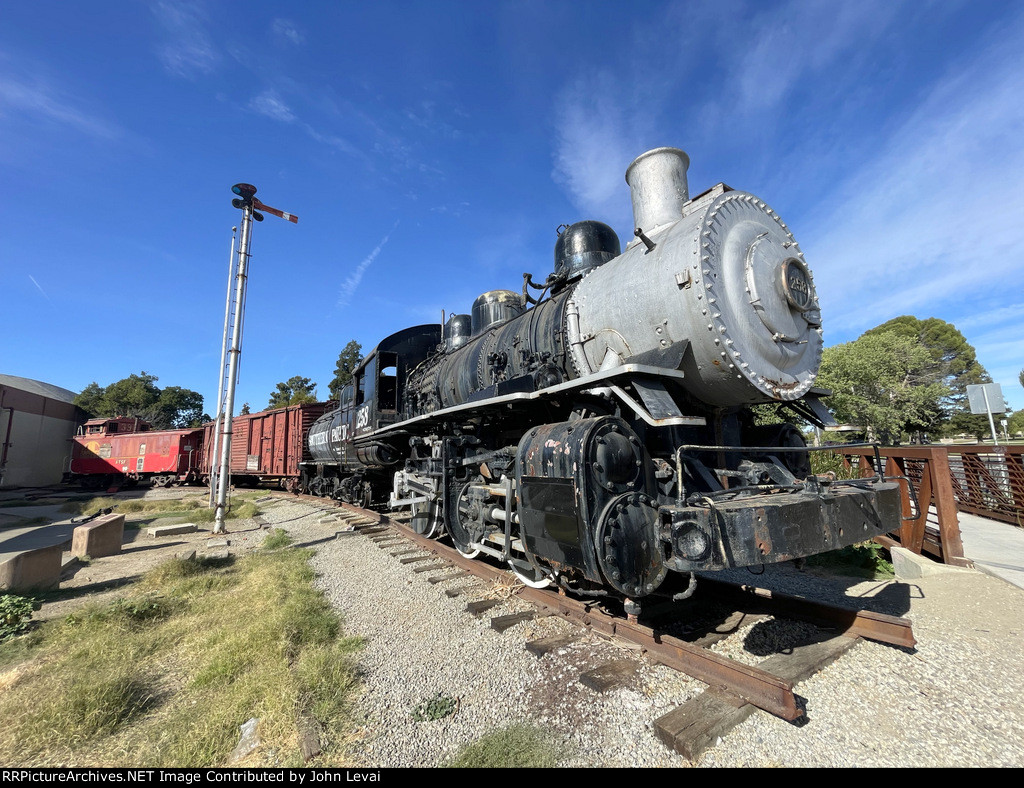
39	288
38	99
187	50
596	139
935	218
351	283
269	103
287	30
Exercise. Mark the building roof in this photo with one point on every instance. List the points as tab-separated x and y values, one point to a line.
38	387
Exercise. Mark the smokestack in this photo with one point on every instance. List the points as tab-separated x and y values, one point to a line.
657	185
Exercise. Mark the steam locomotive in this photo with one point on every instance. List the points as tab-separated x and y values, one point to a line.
596	429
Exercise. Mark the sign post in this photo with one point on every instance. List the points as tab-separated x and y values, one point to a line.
987	398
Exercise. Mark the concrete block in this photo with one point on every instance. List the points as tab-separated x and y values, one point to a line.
172	530
103	536
32	569
909	565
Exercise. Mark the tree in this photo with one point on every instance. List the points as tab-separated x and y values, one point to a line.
139	396
293	391
348	360
953	362
881	382
179	408
245	409
89	399
1015	423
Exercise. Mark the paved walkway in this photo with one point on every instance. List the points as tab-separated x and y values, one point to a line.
995	547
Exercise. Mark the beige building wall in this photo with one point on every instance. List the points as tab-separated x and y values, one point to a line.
37	422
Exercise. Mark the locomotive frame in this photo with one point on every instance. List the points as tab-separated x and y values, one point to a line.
600	435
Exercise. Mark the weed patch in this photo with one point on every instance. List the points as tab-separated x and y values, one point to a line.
276	539
518	746
165	675
435	708
15	611
866	559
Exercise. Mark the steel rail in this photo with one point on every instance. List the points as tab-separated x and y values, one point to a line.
747	684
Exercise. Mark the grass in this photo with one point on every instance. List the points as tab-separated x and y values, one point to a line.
518	746
166	675
866	559
276	539
194	507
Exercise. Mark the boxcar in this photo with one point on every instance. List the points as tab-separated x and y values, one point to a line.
268	446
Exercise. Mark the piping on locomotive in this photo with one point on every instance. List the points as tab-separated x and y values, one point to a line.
595	429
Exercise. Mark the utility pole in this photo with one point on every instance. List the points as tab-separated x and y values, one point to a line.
247	203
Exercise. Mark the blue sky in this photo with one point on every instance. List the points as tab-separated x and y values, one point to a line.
430	151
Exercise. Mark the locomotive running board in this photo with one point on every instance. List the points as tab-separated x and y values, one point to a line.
602	377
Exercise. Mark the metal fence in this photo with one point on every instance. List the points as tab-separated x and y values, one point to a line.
930	523
989	481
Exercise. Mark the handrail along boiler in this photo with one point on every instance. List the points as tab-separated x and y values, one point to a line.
596	429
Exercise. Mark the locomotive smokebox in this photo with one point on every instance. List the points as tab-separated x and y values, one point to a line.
658	188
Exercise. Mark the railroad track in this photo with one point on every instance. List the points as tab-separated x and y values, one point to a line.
677	635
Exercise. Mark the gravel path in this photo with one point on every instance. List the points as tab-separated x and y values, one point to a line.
954	701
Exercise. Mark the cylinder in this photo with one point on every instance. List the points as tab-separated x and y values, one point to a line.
658	188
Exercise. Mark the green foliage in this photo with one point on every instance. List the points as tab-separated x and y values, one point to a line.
293	391
348	360
882	382
276	539
866	559
953	363
245	410
15	611
203	648
139	396
518	746
1015	423
435	708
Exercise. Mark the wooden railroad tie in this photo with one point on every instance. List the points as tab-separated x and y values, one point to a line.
414	558
406	552
445	578
503	623
543	646
430	567
374	530
693	727
482	605
451	593
611	675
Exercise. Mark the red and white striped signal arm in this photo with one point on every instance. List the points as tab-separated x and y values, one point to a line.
291	217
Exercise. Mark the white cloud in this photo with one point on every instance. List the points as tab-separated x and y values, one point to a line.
286	29
595	143
351	283
37	99
187	50
933	222
270	104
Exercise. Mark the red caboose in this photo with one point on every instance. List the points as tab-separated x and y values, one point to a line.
268	446
125	451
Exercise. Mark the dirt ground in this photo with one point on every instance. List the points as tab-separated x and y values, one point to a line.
104	579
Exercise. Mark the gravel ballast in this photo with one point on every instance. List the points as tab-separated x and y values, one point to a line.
954	700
